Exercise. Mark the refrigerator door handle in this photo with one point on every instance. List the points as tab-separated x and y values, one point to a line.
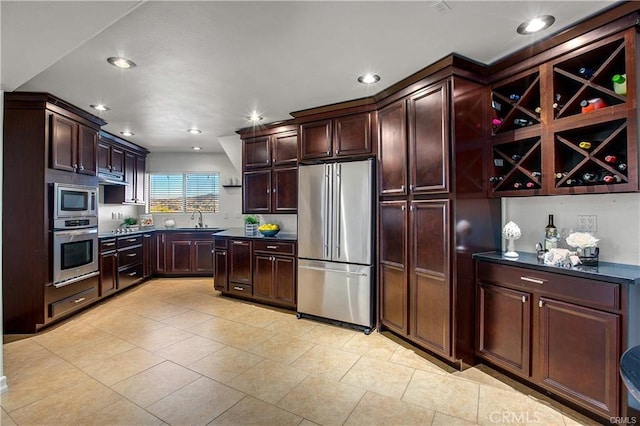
326	208
314	268
337	206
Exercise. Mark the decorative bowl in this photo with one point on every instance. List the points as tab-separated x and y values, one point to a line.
269	232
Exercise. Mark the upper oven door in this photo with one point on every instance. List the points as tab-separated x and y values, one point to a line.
75	201
75	255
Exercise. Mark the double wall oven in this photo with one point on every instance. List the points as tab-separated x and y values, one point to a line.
75	233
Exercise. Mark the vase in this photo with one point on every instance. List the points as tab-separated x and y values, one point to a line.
511	248
250	229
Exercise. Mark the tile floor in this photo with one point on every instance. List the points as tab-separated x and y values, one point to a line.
172	351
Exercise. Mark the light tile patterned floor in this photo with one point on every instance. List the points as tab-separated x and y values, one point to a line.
172	351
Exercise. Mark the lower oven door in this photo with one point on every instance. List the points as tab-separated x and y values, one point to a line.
75	255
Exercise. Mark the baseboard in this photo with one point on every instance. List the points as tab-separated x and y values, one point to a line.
3	384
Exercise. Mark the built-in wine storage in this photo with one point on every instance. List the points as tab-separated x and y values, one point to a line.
568	125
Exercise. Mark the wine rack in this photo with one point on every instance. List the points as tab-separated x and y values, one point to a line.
516	104
581	132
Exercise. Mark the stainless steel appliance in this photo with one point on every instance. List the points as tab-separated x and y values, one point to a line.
74	201
335	225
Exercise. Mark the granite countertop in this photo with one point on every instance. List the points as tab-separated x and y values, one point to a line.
112	234
239	233
605	271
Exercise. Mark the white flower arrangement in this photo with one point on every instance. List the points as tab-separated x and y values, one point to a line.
511	231
581	240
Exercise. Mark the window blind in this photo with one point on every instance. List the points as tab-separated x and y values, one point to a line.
182	193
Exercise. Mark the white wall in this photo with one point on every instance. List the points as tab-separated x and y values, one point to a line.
3	379
618	221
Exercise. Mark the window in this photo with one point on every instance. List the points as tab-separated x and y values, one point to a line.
184	192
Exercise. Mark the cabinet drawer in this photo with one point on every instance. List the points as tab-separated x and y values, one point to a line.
73	302
274	247
129	256
107	245
220	243
129	241
572	289
241	289
129	275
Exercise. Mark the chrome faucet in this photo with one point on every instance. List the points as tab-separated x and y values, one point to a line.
199	219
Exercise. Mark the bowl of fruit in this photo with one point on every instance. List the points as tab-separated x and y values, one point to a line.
269	229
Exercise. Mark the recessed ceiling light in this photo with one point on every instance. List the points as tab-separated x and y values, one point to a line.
194	131
121	62
100	107
255	117
369	78
536	24
196	148
127	133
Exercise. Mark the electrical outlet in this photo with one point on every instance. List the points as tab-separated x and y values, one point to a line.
114	215
587	223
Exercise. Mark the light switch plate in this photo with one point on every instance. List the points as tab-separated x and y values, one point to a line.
587	223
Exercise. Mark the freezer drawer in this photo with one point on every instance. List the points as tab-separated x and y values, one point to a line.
335	291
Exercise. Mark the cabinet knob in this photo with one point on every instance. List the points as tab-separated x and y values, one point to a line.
81	167
110	167
267	161
402	188
524	299
337	151
328	152
273	190
267	190
410	187
540	303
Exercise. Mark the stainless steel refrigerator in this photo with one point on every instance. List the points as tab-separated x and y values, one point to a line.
335	255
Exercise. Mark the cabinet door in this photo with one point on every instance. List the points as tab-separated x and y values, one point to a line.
241	265
394	289
87	151
285	190
257	152
256	194
428	112
392	149
139	192
179	256
352	135
117	160
284	280
160	253
108	273
575	340
104	157
504	324
148	248
284	149
315	140
129	177
64	143
203	256
429	285
220	277
263	276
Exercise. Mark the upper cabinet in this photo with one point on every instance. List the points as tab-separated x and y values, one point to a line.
569	125
414	143
73	145
270	169
337	137
122	161
110	159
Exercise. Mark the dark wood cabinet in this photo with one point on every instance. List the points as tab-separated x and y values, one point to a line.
73	146
159	261
189	253
392	153
394	266
120	160
560	332
110	158
270	172
220	264
504	325
148	254
108	272
240	263
429	281
341	136
274	273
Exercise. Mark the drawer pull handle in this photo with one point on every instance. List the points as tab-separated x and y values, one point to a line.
272	247
132	274
131	240
108	244
532	280
82	299
132	255
240	243
238	288
224	253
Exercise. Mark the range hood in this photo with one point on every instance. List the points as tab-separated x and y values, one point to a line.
108	179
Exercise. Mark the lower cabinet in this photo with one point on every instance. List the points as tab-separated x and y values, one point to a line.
274	278
148	257
559	332
220	264
188	253
70	298
108	273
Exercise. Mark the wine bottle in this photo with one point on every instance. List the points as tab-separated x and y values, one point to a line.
531	185
550	235
538	110
590	177
496	121
620	84
586	73
496	105
560	175
516	157
518	185
536	174
522	122
573	182
621	166
496	179
589	105
514	97
611	159
585	145
609	178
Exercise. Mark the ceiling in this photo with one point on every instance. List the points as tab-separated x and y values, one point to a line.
208	64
